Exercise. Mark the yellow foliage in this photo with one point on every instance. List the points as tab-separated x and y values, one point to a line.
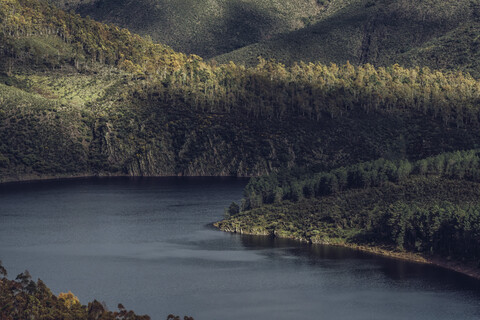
129	66
69	299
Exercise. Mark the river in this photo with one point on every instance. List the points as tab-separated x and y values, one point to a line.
147	243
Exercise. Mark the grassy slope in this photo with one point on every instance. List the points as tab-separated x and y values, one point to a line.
459	47
434	33
205	27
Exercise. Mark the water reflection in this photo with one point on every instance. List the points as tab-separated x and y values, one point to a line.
147	244
325	256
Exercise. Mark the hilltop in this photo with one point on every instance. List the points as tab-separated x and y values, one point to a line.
438	34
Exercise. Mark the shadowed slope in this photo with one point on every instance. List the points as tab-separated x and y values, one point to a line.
203	27
434	33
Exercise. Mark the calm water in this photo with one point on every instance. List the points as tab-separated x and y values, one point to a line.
146	243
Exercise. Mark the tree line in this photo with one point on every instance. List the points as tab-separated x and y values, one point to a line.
24	298
426	214
296	185
442	228
270	89
89	42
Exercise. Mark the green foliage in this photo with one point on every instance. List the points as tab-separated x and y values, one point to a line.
296	185
115	103
24	298
203	27
35	32
428	215
233	209
434	33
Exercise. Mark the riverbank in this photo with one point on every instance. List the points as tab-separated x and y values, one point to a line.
37	177
385	251
40	177
457	266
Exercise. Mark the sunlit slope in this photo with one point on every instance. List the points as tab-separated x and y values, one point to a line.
80	97
37	35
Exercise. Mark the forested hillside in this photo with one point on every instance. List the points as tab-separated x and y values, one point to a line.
82	98
203	27
295	185
37	36
364	132
434	33
430	206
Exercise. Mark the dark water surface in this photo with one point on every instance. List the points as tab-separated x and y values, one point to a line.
146	243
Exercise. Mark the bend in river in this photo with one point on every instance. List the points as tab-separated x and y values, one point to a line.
147	243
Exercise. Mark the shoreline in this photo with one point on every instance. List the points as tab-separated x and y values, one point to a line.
456	266
36	178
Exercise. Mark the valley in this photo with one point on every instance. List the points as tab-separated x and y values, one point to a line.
356	121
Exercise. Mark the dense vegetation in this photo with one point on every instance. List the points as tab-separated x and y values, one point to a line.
308	89
203	27
295	185
431	206
188	130
434	33
79	97
24	298
35	33
114	103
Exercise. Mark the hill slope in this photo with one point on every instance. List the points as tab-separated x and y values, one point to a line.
83	98
205	27
428	207
434	33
